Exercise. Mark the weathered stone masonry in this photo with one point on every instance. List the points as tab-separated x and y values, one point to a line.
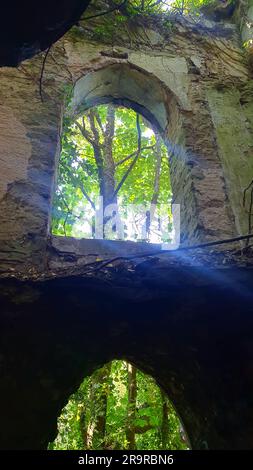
194	84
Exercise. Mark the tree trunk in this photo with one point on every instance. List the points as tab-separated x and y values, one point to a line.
165	421
83	427
103	154
109	165
96	428
158	152
107	188
131	408
156	188
101	137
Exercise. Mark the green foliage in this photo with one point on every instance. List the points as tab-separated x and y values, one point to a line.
148	409
248	44
150	395
190	7
161	7
69	435
107	27
79	176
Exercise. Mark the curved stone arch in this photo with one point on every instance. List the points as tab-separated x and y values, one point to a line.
161	97
80	324
110	81
194	357
143	367
196	173
180	404
127	85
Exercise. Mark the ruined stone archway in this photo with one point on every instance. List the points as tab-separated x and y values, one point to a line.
124	83
129	85
66	328
198	345
181	88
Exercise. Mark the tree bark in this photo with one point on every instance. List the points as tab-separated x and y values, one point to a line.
103	154
96	429
101	139
131	408
83	427
156	188
165	421
109	165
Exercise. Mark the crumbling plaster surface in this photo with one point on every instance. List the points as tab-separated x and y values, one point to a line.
124	83
188	64
15	149
30	159
232	114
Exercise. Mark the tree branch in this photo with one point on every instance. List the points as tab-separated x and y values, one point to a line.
134	160
79	185
84	132
110	122
69	212
157	170
91	117
148	147
96	114
98	155
42	72
156	186
117	7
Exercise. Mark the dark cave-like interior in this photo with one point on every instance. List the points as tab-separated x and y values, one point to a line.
31	27
188	328
68	305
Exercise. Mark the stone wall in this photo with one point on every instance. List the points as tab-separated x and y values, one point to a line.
191	332
181	75
186	319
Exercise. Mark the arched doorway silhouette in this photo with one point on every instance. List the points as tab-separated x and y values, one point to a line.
119	407
180	340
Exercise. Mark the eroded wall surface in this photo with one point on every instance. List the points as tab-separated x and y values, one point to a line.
192	333
194	82
204	107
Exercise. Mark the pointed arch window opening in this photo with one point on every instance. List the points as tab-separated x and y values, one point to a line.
119	407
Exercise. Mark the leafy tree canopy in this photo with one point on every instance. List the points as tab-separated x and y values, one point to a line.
182	7
111	152
156	424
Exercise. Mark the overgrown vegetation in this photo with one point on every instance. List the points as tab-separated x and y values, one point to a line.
130	13
112	152
129	8
119	407
182	7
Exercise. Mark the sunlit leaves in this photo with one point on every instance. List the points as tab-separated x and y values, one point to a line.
149	410
79	185
182	7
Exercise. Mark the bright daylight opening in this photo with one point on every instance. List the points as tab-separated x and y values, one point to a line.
113	178
119	407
